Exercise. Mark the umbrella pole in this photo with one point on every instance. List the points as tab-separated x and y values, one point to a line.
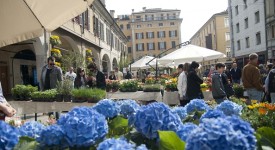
156	70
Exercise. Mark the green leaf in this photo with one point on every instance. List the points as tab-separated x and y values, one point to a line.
169	140
26	143
266	136
118	126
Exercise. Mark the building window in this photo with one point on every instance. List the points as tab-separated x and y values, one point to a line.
247	42
161	34
140	46
162	45
238	45
258	38
129	49
128	26
226	22
246	23
174	16
149	25
138	26
150	35
245	4
168	16
139	35
173	33
151	46
160	24
236	10
172	23
121	26
227	36
161	17
102	35
228	50
129	38
257	17
173	44
138	17
237	27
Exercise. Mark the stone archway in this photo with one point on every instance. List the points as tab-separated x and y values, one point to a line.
106	64
115	63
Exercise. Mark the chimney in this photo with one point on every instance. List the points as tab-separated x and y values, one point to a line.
112	13
144	8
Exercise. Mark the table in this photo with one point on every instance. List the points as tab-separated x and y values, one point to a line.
139	95
171	98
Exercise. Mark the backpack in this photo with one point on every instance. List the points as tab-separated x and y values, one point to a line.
271	82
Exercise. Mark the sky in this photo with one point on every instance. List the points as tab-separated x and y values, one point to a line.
194	12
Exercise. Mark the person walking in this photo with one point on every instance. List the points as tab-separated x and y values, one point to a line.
193	83
270	83
80	80
252	80
5	107
218	90
70	75
100	77
50	75
236	73
182	83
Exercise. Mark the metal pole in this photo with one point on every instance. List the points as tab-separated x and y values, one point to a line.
156	69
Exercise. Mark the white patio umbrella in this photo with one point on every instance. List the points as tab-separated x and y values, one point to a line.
26	19
142	63
190	53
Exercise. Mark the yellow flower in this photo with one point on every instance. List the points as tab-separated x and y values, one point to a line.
250	107
54	50
55	37
254	101
57	64
88	50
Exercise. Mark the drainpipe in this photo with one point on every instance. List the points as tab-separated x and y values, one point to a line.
266	33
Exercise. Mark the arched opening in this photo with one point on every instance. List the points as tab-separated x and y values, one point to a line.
25	70
115	63
106	64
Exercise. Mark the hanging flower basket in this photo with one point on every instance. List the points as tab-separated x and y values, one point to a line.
55	40
89	59
89	52
56	53
58	64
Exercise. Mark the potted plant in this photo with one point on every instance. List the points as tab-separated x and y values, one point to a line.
56	53
79	95
45	96
115	85
59	90
204	87
23	92
239	89
129	86
108	85
151	88
55	40
67	90
171	85
96	95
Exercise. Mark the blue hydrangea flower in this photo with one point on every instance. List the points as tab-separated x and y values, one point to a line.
115	144
107	107
213	114
31	129
185	129
181	111
128	107
52	136
219	134
196	105
8	136
243	126
142	147
83	126
230	108
153	117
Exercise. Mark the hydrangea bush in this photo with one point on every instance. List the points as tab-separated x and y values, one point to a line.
213	114
52	135
31	129
118	144
185	129
221	134
181	111
128	107
153	117
107	107
196	105
8	136
83	127
230	108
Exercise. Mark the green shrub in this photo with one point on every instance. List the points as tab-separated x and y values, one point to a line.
151	88
88	94
23	91
129	86
48	95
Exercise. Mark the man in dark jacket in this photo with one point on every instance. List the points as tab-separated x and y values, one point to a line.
193	83
218	90
236	73
100	78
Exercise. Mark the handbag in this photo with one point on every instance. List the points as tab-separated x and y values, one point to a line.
229	90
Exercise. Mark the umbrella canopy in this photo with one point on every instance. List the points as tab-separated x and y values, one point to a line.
26	19
191	53
142	63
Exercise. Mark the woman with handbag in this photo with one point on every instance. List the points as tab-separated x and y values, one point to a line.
5	107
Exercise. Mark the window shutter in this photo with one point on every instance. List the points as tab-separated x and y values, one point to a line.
164	45
176	33
158	34
142	45
142	37
159	45
147	35
136	47
163	33
169	33
148	46
153	46
153	34
136	36
94	26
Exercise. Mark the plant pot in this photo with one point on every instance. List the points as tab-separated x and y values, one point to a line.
92	100
108	90
114	90
59	98
67	98
79	100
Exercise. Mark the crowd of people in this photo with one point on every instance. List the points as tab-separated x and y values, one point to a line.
257	80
